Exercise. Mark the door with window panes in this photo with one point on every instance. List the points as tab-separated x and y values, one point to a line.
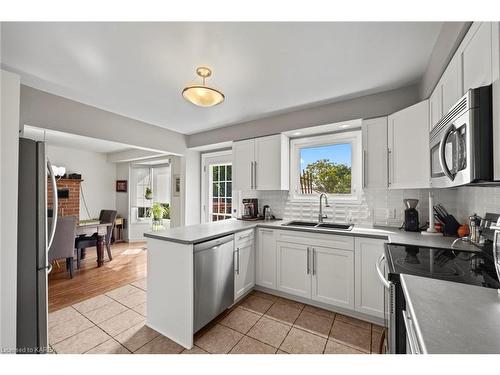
218	201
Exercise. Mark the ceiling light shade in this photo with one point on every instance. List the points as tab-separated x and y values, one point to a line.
202	95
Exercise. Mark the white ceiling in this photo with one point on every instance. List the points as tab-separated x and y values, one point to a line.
139	69
72	141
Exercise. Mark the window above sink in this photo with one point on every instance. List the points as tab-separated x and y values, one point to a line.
330	164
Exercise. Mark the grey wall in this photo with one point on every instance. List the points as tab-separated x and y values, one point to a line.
39	108
449	39
374	105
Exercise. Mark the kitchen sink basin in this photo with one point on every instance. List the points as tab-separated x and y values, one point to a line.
334	226
311	224
298	223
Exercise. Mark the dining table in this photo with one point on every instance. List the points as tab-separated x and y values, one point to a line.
85	228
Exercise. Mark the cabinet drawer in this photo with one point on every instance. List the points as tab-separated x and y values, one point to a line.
244	237
317	239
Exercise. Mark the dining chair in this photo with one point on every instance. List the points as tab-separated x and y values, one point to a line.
83	242
63	245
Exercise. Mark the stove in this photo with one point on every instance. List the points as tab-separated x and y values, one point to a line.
467	267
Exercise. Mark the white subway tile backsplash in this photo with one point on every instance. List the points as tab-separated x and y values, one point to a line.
385	207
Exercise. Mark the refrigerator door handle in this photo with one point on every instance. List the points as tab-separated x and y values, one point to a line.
54	207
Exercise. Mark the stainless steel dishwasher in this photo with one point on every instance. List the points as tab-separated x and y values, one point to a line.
213	279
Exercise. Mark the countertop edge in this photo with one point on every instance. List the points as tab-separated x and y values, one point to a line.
409	306
202	239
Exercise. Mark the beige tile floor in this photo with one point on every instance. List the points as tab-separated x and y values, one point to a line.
114	323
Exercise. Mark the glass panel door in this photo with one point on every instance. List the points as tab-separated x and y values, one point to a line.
217	176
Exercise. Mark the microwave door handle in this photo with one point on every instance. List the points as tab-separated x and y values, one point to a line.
442	153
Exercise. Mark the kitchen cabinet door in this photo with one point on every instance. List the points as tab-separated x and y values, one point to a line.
435	106
294	269
243	158
408	143
369	292
266	258
375	152
333	276
477	56
244	277
272	163
451	84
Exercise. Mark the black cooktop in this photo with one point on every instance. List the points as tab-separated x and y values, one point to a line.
474	268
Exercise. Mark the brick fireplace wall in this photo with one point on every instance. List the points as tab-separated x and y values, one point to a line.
67	206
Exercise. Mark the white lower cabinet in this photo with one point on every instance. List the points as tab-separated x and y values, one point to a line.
335	270
333	276
244	265
369	290
320	273
294	275
266	258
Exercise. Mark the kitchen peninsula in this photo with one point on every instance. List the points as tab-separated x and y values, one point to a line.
267	255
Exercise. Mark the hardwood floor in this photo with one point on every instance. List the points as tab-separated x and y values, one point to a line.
128	265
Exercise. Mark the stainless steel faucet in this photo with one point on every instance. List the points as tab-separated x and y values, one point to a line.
321	216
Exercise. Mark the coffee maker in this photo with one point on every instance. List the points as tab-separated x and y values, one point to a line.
250	209
411	223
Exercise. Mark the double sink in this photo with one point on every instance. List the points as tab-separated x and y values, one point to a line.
312	224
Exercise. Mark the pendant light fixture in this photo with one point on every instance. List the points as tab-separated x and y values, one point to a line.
202	95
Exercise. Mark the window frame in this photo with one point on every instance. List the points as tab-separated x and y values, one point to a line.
150	168
354	138
223	157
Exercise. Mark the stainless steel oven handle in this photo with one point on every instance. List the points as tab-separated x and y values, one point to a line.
380	274
495	255
442	153
410	333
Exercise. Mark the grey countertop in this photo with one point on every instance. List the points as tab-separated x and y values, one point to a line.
203	232
452	317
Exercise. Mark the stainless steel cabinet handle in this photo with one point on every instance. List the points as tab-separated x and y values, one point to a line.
389	153
314	260
365	169
255	175
266	230
251	175
380	273
245	236
238	261
308	261
410	333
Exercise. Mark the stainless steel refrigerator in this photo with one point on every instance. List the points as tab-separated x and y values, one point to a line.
34	240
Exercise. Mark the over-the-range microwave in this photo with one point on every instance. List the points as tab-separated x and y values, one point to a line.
461	144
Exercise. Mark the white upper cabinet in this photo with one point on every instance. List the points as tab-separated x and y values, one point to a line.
375	152
261	163
451	85
476	52
243	158
408	144
435	106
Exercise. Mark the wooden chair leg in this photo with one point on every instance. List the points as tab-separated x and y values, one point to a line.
78	258
108	248
69	262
